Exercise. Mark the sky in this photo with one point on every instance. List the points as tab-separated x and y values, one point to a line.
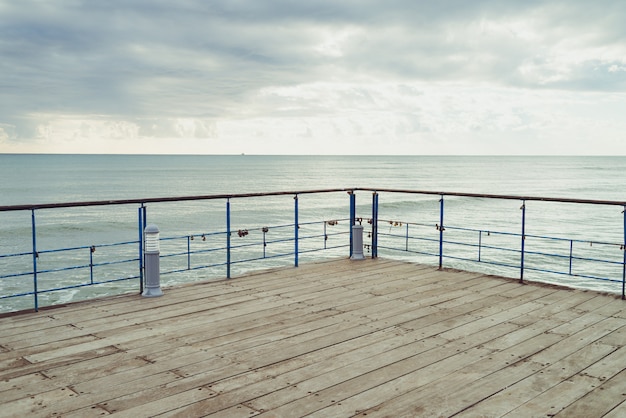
394	77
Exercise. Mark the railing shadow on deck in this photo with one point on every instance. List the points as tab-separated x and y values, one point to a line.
581	247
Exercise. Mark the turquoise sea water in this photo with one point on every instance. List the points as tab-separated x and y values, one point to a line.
34	179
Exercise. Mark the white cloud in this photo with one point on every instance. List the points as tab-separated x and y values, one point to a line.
614	68
217	76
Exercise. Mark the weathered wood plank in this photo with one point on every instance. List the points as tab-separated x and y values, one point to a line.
23	367
570	390
83	402
618	412
32	404
156	405
436	387
504	401
338	338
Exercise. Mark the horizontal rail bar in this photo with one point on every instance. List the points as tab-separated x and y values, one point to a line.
162	199
500	196
300	192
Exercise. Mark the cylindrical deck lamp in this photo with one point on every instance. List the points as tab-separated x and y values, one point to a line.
152	287
357	243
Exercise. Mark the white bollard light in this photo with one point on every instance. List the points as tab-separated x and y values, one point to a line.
357	243
152	284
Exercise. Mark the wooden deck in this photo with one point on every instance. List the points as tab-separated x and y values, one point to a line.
336	339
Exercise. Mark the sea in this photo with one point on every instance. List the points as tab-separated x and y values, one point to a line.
32	179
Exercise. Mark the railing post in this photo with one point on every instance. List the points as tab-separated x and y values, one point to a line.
141	225
352	216
624	261
296	227
406	237
188	252
35	255
480	243
523	208
375	225
571	255
92	249
441	229
228	238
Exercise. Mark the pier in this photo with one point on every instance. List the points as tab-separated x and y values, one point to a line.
339	338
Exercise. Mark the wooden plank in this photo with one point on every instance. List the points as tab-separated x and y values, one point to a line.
75	373
608	366
21	324
618	412
509	312
600	400
85	401
231	398
385	381
23	367
334	339
121	335
237	411
610	304
34	349
38	336
318	362
70	374
43	336
237	394
616	337
560	348
478	403
34	403
227	322
227	330
153	407
570	390
93	411
380	382
576	340
21	386
436	391
187	363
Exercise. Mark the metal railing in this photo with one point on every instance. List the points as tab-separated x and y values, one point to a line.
580	258
38	271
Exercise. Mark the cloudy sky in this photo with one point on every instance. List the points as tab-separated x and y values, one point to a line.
313	77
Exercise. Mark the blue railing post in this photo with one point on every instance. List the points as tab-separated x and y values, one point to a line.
571	255
624	260
441	229
352	216
297	226
375	225
480	243
228	238
406	237
188	252
35	255
521	274
140	227
92	249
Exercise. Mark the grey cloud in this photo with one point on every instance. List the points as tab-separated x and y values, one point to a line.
165	59
171	128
